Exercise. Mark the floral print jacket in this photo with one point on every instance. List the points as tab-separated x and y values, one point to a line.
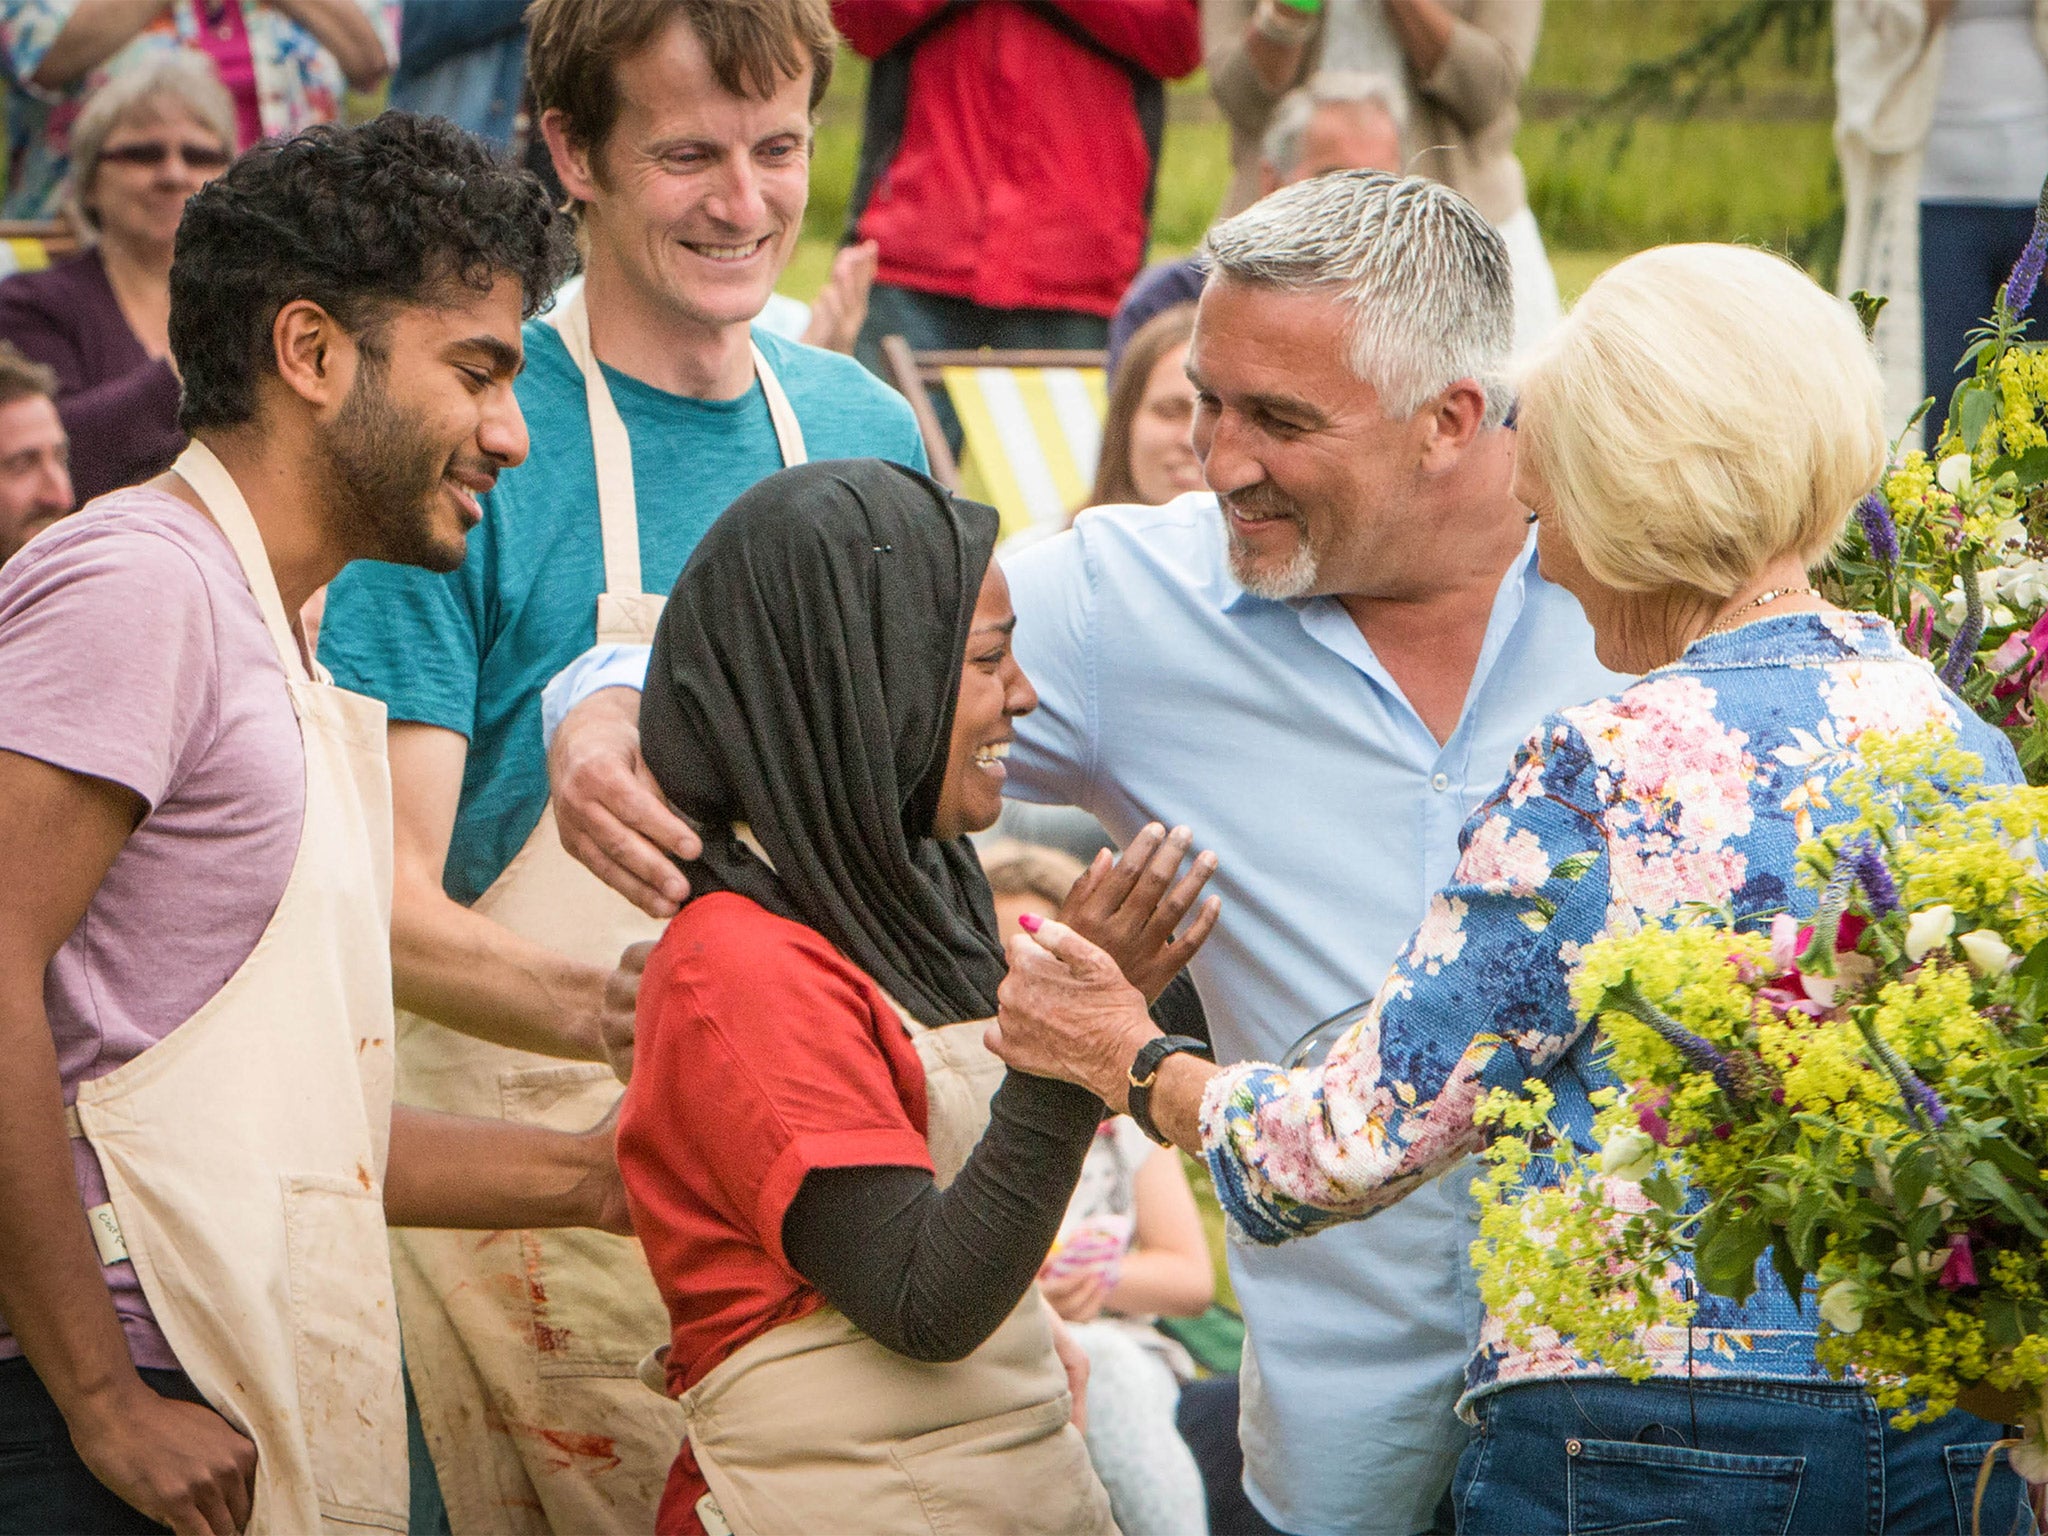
1694	785
298	82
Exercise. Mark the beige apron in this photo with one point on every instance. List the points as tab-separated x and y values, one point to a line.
245	1152
522	1345
816	1427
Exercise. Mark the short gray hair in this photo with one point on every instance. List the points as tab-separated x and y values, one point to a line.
1425	276
1281	147
177	75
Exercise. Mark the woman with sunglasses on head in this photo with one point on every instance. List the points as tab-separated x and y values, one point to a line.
143	144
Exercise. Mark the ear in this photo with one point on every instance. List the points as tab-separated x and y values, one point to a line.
1454	421
315	357
572	160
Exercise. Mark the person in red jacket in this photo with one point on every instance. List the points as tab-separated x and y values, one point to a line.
1007	163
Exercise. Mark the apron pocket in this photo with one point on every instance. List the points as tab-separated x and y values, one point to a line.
595	1309
968	1476
345	1349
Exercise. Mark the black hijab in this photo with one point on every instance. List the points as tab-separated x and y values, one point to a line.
803	682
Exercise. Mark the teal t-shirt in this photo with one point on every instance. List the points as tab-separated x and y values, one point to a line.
470	651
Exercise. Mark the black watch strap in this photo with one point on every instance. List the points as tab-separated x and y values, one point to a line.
1145	1072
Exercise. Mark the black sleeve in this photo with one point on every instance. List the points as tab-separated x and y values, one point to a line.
929	1272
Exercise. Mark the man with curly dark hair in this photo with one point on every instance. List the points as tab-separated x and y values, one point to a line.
682	131
195	984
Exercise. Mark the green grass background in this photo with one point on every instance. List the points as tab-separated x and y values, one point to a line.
1760	170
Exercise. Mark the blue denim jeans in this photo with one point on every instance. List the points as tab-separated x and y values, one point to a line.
1741	1458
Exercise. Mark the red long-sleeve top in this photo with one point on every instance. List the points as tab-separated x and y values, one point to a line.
1010	147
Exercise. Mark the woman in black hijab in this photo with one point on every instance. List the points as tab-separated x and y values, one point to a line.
842	1196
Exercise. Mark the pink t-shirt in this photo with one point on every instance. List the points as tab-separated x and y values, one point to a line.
132	650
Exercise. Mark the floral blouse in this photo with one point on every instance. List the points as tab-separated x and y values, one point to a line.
1694	785
298	83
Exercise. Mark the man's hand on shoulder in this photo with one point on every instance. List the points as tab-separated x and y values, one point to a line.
610	812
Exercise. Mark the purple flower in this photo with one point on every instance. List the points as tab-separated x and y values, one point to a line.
1912	1087
1961	1268
1875	876
1698	1051
2026	272
1963	650
1879	529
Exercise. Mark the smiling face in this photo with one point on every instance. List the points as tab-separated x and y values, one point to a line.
1163	462
696	196
153	160
428	422
993	692
35	476
1317	487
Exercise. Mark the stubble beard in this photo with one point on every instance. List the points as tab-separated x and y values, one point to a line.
381	476
1290	578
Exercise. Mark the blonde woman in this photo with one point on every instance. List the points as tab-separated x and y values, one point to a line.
1691	442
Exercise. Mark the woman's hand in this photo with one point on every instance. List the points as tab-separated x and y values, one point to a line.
1077	1295
1065	1011
1129	908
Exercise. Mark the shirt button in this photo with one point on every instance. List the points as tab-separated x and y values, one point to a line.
1440	783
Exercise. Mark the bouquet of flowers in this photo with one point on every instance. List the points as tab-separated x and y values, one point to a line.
1953	545
1861	1098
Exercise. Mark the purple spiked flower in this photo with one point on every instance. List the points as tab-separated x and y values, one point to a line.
2026	272
1875	876
1879	529
1698	1051
1912	1087
1963	649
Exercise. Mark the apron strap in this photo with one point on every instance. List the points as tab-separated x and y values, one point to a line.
789	434
618	512
199	468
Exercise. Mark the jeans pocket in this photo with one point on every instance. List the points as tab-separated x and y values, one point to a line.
2004	1492
1617	1488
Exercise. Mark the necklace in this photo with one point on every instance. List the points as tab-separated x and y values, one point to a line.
1728	623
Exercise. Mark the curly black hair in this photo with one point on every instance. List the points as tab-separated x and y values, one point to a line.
358	220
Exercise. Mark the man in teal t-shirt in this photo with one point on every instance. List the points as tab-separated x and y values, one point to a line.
470	652
691	177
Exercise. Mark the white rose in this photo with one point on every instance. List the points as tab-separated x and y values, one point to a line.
1928	927
1629	1155
1989	955
1954	474
1841	1306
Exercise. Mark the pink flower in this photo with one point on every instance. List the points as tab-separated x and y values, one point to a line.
1650	1118
1961	1268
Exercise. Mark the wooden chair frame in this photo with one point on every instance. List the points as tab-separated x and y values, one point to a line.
915	374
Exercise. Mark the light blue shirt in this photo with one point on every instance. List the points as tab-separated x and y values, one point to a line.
1168	693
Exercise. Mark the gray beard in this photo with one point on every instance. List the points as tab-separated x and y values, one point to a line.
1278	584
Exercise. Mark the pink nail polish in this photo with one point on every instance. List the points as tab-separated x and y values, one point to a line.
1030	922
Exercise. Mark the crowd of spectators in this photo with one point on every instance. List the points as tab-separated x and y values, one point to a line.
1008	168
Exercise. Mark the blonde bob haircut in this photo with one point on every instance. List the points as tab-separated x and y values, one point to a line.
1702	411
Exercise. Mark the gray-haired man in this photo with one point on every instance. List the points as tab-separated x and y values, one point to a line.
1341	120
1323	668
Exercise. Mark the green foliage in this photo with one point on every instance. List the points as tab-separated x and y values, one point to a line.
1873	1120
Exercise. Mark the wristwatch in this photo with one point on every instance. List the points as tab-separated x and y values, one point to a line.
1145	1072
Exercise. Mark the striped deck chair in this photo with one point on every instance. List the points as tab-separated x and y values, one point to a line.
29	245
1031	424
